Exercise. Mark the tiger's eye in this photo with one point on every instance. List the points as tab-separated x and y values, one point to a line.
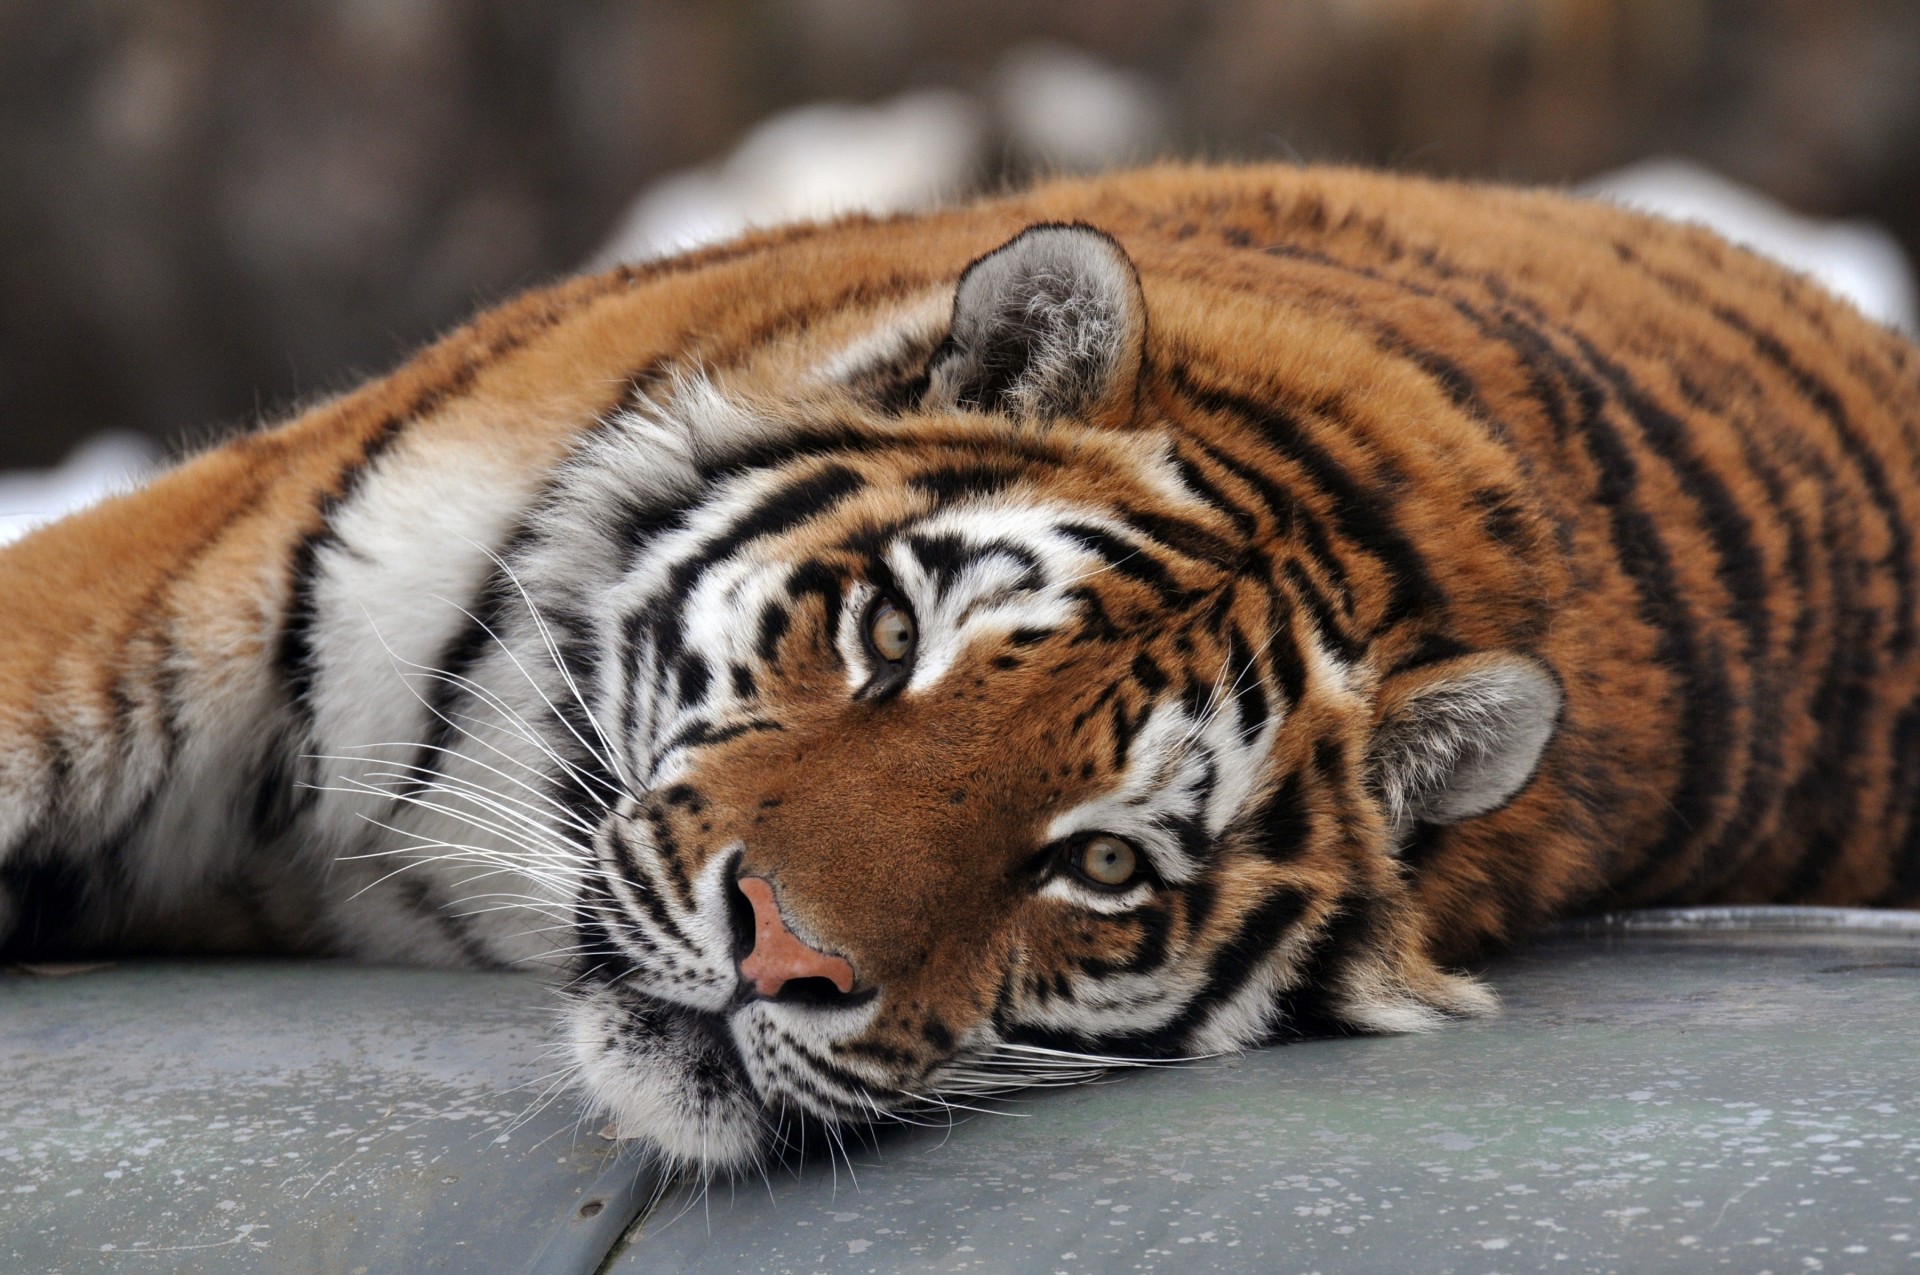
890	630
1107	861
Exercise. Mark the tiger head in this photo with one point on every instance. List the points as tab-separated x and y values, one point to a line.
977	729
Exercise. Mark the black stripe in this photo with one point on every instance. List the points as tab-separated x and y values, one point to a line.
1232	965
1243	674
702	734
1453	380
1152	678
1095	624
820	580
1282	827
1823	398
1125	727
283	792
775	619
779	511
1358	514
1696	666
643	887
295	658
1429	648
1328	626
948	484
666	849
1738	842
1743	577
1424	843
1503	517
1183	537
1828	404
1740	570
636	627
1129	560
1330	762
592	941
1244	522
1707	741
946	556
1291	519
1822	804
1235	962
1304	1008
444	694
639	528
1085	715
1904	785
823	1069
693	677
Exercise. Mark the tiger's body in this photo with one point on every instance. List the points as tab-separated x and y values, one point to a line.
1300	582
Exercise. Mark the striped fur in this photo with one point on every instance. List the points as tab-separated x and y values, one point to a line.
1392	565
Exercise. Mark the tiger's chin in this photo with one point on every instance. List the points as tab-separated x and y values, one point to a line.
669	1078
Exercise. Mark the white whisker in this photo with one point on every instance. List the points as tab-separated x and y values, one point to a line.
524	730
612	764
611	755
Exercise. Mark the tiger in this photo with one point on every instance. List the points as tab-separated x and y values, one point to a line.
870	663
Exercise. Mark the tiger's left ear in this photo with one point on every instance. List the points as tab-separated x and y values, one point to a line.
1050	324
1460	737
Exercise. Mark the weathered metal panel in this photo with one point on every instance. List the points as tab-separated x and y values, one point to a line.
1709	1091
1652	1100
294	1117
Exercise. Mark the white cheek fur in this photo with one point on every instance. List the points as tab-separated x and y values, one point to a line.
848	640
1062	888
642	1081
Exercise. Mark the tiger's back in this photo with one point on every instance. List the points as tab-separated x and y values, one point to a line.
1714	481
1378	471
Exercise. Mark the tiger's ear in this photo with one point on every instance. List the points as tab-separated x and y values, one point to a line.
1460	737
1050	324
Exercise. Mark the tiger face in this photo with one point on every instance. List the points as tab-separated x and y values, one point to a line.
959	735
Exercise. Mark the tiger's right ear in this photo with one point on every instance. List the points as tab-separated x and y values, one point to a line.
1461	737
1050	324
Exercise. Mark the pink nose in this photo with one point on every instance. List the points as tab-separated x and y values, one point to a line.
778	957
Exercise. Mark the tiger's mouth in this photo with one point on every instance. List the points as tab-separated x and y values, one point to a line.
724	1090
712	1051
669	1075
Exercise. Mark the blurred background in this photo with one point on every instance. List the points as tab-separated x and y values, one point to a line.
212	210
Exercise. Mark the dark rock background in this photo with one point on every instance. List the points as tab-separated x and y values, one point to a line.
212	208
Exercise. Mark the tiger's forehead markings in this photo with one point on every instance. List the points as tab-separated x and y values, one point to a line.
984	571
988	559
750	509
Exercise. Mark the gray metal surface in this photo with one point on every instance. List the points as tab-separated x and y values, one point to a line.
294	1117
1718	1091
1741	1097
1751	918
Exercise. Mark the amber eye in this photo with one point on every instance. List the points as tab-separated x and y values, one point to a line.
890	631
1106	861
